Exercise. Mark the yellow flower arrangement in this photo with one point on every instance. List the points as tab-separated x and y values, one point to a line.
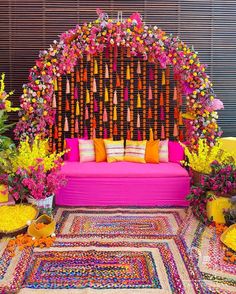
29	154
201	159
4	96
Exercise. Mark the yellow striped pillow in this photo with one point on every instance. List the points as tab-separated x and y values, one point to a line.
115	150
135	151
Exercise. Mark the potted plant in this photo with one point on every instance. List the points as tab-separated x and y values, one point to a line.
34	177
209	198
199	160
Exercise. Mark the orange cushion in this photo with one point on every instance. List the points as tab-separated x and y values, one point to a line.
100	150
151	155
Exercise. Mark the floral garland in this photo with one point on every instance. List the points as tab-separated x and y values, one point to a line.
146	42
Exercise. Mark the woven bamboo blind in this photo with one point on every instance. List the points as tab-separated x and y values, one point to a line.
27	26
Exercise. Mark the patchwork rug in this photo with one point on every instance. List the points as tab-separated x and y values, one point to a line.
122	250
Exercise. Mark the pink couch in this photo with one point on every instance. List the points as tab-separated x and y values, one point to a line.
124	184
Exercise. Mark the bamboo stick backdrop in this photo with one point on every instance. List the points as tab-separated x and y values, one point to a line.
27	26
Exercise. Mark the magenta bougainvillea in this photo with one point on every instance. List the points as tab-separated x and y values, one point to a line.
145	42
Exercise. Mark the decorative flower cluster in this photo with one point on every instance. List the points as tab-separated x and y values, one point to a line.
37	153
33	175
145	42
222	180
198	200
201	158
23	241
5	104
5	107
35	182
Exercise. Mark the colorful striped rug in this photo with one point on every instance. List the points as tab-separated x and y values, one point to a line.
122	250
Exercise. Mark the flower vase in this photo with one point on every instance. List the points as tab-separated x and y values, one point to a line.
42	204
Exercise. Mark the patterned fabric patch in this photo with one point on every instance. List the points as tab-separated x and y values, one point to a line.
114	226
93	269
115	150
86	150
163	151
207	253
187	260
115	265
135	151
12	267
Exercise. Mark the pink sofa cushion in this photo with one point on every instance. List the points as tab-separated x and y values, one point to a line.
122	170
73	145
176	152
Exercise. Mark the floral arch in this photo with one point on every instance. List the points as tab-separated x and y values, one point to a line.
37	113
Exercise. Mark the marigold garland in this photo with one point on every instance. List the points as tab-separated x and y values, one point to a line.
167	106
144	99
122	94
59	141
81	99
155	102
111	93
72	101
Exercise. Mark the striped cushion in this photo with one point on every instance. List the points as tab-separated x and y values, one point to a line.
86	150
115	150
135	151
163	151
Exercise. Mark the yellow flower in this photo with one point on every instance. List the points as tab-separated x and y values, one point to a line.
37	150
201	159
